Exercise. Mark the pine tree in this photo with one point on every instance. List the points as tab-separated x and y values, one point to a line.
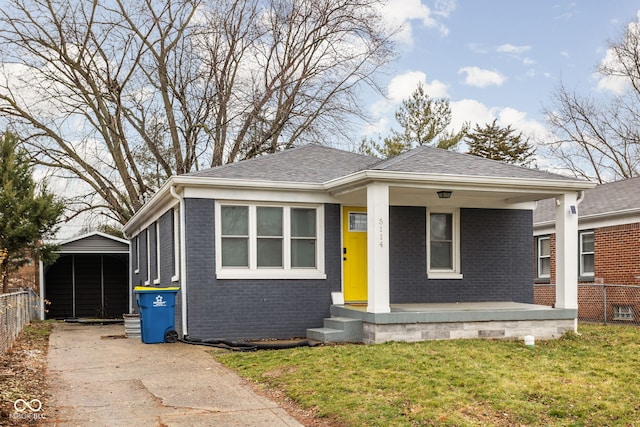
424	121
27	215
503	144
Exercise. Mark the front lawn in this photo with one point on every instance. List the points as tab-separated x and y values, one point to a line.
591	379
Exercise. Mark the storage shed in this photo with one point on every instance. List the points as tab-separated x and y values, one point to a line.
90	278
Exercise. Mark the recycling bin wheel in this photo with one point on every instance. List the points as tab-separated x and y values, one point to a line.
171	336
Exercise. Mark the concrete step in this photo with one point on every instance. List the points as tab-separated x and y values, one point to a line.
337	329
325	334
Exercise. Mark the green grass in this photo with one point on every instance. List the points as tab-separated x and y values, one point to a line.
591	379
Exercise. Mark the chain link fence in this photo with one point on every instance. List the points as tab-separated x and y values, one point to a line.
16	310
599	302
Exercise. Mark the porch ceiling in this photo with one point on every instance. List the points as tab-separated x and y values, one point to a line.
461	197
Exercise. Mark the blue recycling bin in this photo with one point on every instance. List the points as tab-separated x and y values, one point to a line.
157	313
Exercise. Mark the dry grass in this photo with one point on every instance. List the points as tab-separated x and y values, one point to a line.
590	379
23	375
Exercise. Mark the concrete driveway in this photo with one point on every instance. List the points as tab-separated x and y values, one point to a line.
98	378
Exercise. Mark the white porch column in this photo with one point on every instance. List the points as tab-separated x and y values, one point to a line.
378	248
567	251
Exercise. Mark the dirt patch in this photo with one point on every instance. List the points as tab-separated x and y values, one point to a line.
23	380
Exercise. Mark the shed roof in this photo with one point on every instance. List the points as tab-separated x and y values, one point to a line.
94	242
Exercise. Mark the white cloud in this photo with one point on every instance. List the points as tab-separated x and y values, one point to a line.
476	76
405	12
509	48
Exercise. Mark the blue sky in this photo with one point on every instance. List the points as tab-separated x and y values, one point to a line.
498	58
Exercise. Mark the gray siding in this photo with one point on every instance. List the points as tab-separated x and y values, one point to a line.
239	309
140	277
496	251
94	244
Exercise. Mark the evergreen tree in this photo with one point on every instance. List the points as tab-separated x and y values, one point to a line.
424	121
503	144
27	215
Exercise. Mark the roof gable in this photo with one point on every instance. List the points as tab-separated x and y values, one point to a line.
94	243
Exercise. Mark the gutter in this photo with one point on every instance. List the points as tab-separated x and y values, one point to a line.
183	258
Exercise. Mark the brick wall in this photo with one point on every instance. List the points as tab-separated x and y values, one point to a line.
617	254
243	309
495	257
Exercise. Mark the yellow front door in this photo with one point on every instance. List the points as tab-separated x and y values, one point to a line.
354	253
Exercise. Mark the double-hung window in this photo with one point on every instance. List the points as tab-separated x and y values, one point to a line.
544	257
269	241
443	245
587	253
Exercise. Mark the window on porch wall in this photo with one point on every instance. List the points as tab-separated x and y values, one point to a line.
443	250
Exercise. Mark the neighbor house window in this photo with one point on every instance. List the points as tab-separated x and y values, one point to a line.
269	241
586	253
443	251
544	257
622	312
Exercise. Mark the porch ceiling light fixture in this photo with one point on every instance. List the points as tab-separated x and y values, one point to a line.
445	194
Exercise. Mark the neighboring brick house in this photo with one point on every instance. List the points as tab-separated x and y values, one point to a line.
609	252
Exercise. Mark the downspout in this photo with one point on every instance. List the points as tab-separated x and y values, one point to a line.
580	197
183	258
41	279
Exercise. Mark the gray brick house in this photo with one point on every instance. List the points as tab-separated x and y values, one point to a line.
322	242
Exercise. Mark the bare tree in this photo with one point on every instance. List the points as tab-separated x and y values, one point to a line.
597	136
121	95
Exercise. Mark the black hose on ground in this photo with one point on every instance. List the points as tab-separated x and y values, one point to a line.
248	346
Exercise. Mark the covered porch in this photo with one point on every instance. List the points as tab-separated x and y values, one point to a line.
438	321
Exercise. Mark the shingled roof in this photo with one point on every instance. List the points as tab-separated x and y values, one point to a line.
612	197
309	164
319	164
433	160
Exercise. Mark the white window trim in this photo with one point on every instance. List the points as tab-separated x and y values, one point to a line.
157	228
176	245
137	270
539	257
582	272
253	272
454	273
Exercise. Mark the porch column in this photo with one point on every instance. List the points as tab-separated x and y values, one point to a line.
378	248
567	251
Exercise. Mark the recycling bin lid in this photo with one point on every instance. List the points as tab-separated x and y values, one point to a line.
154	289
